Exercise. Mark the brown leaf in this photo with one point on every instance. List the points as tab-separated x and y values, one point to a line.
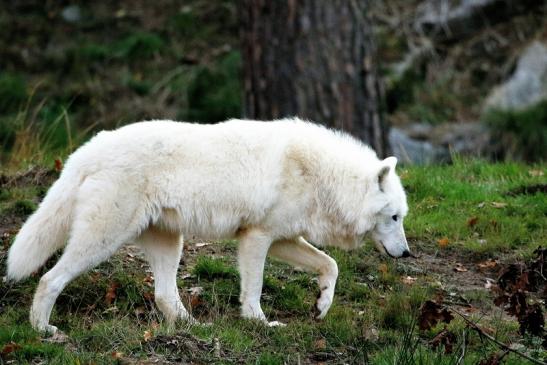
443	242
148	296
320	344
488	264
58	165
195	296
9	348
147	335
408	280
383	268
110	295
148	280
498	205
472	222
431	313
445	338
460	268
117	355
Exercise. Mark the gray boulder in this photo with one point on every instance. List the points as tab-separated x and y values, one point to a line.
421	143
447	20
527	85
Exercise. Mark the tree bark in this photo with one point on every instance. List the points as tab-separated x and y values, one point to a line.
314	60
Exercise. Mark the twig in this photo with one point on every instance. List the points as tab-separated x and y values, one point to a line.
462	356
499	343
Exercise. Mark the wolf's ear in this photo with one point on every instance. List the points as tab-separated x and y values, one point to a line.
387	164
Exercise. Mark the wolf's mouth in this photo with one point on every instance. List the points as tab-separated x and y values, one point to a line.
386	251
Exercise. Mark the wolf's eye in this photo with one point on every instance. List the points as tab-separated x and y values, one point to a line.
394	217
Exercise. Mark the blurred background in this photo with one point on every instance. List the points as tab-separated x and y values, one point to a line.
422	79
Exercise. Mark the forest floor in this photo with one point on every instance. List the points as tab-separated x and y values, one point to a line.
468	221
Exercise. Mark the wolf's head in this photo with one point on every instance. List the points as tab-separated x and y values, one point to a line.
390	199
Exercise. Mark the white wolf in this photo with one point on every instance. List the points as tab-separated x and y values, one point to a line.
272	185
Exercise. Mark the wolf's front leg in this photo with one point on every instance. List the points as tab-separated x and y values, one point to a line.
300	253
253	249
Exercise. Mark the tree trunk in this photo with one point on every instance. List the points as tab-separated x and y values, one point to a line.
314	60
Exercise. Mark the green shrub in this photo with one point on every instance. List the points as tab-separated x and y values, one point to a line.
215	93
522	133
13	92
138	46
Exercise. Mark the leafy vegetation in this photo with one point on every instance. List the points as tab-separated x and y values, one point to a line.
522	133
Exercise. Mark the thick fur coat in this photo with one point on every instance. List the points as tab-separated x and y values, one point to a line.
272	185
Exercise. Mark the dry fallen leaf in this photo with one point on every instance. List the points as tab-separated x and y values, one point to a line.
459	268
195	296
148	280
382	268
147	335
445	338
488	264
111	293
535	172
117	355
498	205
431	313
9	348
443	242
320	344
408	280
58	165
202	244
472	222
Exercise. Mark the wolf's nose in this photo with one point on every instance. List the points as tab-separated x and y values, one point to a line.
406	253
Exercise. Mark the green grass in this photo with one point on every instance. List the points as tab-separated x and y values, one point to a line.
373	317
444	198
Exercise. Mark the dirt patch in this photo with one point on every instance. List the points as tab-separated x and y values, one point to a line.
455	273
185	348
528	190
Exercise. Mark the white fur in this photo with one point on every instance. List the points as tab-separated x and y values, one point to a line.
271	185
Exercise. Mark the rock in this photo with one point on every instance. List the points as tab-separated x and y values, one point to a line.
447	20
413	151
421	143
71	14
527	85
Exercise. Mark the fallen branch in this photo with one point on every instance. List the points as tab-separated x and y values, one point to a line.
499	343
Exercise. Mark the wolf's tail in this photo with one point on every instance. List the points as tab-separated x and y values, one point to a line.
45	231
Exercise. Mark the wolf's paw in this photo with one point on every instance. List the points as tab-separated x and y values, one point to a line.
324	301
48	330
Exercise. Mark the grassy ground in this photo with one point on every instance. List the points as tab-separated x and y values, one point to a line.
460	216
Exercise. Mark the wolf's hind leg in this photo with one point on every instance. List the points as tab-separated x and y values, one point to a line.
163	251
300	253
83	252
